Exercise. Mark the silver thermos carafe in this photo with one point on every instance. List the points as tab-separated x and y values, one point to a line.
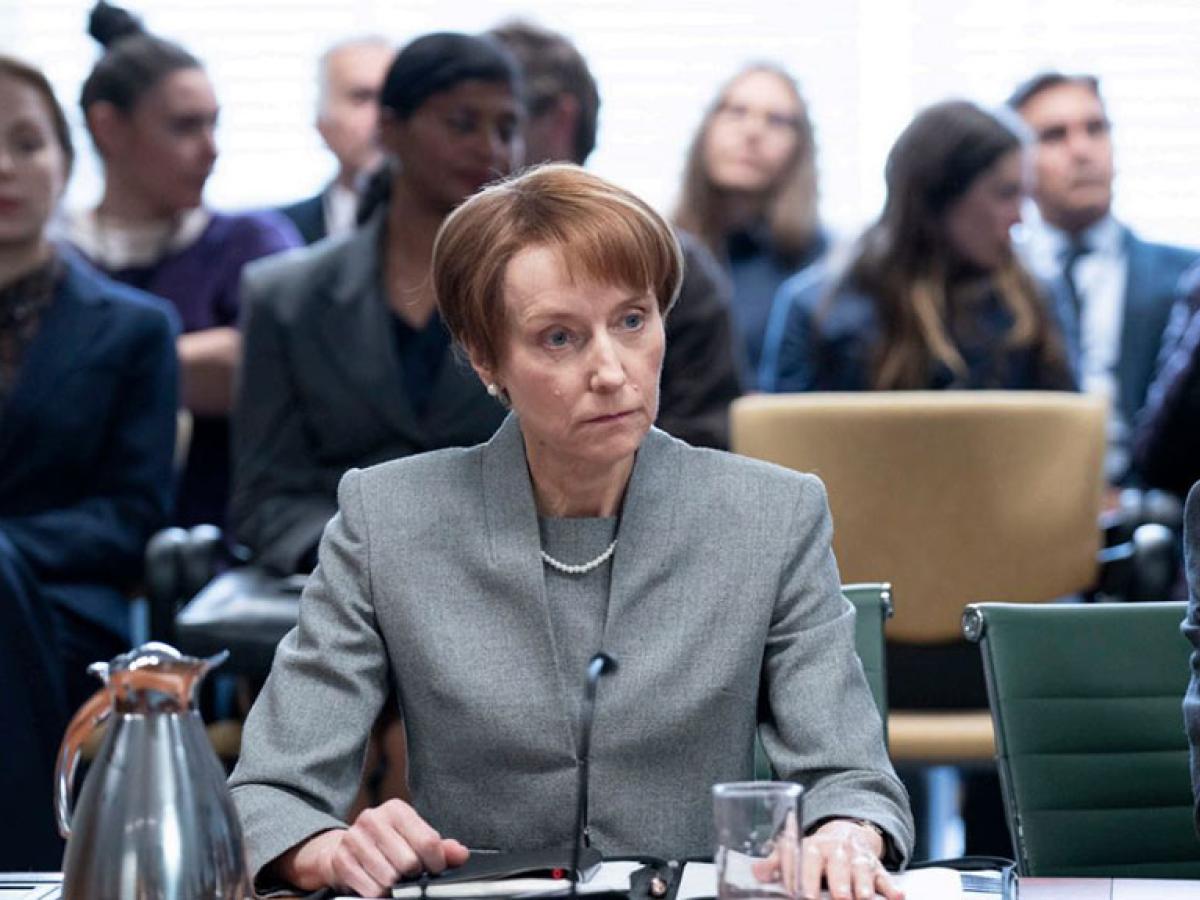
154	820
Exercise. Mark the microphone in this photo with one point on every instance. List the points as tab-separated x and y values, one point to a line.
601	664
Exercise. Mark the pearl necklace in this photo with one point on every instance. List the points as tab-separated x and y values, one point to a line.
582	568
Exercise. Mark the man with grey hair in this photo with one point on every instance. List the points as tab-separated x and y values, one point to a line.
699	374
349	76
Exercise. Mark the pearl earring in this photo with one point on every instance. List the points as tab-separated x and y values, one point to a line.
494	390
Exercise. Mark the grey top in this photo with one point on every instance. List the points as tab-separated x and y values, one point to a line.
578	603
725	616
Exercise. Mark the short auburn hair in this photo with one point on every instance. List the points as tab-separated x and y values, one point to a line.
603	233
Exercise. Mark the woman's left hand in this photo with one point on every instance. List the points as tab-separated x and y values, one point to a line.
847	855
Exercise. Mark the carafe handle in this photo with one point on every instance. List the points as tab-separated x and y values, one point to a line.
86	720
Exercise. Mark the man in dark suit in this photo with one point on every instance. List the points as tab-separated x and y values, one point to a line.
348	77
1114	290
699	374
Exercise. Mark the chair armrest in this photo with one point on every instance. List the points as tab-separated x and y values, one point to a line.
178	563
1143	568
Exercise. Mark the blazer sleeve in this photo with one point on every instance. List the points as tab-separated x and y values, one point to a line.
281	500
700	371
1191	630
103	535
1167	439
821	727
305	739
788	345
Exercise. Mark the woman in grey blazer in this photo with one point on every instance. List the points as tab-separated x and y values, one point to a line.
477	583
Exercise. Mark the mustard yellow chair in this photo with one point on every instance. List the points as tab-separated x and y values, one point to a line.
953	497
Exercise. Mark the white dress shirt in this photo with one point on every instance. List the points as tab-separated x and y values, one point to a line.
1099	278
341	209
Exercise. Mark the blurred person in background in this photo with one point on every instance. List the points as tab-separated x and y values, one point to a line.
88	390
152	115
750	194
700	374
348	78
348	362
932	295
1114	289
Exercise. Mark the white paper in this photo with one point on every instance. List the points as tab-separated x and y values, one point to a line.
1148	889
612	876
700	880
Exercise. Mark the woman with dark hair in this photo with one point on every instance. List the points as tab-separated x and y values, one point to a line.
348	362
152	114
933	296
750	194
88	384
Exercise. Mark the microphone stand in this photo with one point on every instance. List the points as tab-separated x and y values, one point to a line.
600	665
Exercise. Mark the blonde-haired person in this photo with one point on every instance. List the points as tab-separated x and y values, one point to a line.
932	295
750	194
477	583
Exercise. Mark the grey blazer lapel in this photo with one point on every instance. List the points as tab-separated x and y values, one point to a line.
646	538
355	328
514	545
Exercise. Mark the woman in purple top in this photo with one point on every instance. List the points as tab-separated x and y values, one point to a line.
152	113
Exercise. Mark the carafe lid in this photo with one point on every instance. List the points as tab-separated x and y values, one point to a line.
154	677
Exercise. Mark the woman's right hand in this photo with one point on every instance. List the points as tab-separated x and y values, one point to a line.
384	844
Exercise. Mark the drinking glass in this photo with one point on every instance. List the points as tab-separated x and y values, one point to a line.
758	840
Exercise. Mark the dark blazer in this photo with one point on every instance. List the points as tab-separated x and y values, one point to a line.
814	347
724	614
1151	286
1167	438
86	443
1191	629
700	366
322	390
309	217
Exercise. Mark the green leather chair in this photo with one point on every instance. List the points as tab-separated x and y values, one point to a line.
1086	702
873	607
